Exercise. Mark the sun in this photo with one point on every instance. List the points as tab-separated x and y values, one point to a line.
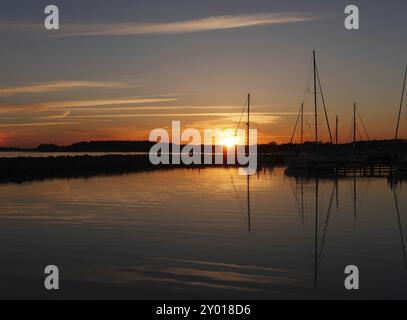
229	141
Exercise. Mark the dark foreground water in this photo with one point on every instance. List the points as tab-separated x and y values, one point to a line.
189	234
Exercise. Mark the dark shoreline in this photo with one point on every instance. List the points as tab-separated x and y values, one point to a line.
25	168
145	146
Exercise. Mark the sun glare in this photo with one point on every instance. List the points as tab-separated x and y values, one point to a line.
230	141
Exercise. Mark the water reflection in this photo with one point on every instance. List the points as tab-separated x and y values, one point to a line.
400	225
206	233
249	224
319	243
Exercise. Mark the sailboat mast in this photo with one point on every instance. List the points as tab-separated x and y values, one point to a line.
248	124
401	106
337	130
354	126
302	123
324	105
300	117
315	97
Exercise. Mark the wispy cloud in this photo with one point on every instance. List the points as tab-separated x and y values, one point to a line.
196	25
224	120
58	116
154	108
103	108
79	104
62	85
38	124
82	105
220	117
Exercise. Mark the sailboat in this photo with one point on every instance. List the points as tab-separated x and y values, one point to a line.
315	159
401	169
246	108
401	159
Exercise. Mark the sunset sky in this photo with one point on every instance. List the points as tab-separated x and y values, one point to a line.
118	69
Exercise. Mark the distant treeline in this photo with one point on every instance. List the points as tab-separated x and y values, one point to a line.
373	146
144	146
10	149
99	146
37	168
22	169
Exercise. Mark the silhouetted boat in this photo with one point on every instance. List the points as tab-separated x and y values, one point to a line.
401	169
313	160
316	160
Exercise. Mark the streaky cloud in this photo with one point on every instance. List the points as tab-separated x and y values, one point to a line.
77	105
43	87
222	117
38	124
189	26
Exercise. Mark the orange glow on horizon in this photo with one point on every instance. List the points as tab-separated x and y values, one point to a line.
230	141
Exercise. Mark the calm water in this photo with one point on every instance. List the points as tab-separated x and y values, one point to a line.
188	234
